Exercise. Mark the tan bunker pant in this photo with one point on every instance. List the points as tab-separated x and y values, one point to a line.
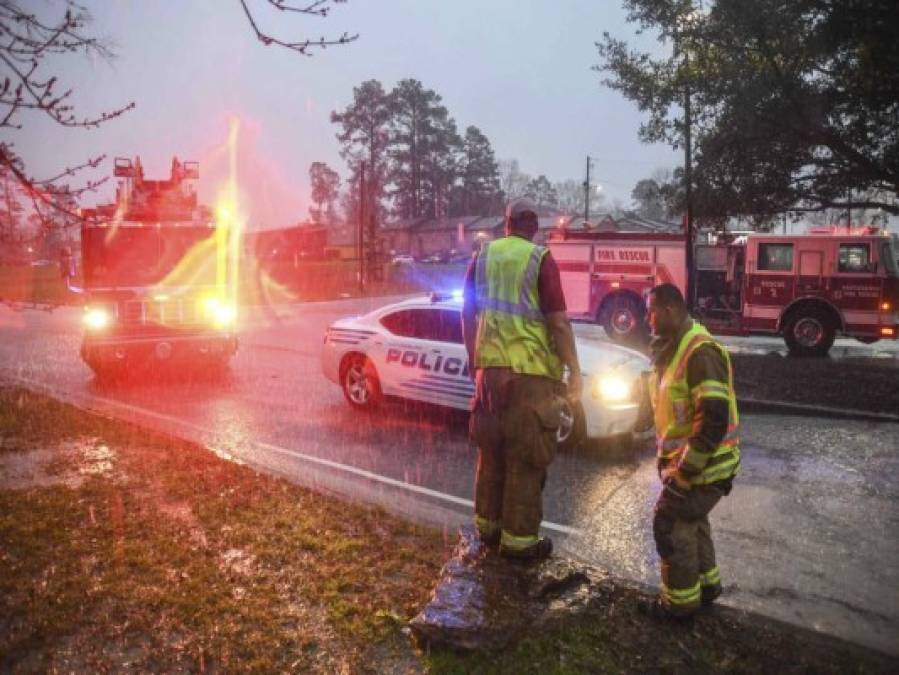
514	422
683	538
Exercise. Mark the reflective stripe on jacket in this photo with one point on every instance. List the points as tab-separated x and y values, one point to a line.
512	331
675	404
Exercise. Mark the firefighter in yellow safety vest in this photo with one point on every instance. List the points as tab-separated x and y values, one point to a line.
698	451
519	340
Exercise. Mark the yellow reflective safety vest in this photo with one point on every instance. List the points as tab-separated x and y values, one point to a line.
674	404
512	331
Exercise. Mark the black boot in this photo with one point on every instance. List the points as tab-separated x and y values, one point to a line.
710	594
539	551
491	540
656	609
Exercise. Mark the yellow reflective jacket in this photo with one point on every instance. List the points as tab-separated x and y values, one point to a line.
512	331
675	404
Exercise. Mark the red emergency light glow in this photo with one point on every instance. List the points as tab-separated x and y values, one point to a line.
887	332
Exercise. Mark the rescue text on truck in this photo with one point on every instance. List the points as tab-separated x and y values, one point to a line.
158	281
808	288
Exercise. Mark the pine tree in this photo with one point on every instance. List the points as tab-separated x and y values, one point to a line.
423	142
479	192
364	136
325	184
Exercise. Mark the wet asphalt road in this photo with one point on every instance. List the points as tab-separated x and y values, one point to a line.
810	533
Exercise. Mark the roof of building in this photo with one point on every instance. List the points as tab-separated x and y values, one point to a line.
636	223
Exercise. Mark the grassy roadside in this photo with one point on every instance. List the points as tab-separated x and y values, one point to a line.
121	549
124	550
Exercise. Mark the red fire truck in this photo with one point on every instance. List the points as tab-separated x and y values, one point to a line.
158	284
808	288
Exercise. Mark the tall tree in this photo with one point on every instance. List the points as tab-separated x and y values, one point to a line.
542	191
513	182
571	197
441	166
795	102
365	135
422	132
648	200
325	185
479	191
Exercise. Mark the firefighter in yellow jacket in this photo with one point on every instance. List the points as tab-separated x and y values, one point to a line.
518	340
698	451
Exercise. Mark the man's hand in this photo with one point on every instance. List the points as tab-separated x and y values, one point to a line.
673	476
575	386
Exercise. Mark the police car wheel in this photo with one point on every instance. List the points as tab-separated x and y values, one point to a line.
571	426
359	382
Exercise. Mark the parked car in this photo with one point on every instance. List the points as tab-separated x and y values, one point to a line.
414	350
440	257
402	259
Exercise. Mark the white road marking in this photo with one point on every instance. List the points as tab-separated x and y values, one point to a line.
362	473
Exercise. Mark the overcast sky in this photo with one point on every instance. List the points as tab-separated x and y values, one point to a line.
520	70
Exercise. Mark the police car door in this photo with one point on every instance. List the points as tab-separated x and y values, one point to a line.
443	365
426	361
395	353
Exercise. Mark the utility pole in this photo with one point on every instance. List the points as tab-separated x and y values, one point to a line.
361	237
688	187
587	193
849	210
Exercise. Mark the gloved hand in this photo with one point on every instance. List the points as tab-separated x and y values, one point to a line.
671	476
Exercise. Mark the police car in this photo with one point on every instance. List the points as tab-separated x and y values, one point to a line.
414	350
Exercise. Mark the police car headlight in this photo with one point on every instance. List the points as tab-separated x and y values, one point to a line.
97	318
612	389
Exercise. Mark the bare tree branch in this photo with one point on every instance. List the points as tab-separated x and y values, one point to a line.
26	40
316	8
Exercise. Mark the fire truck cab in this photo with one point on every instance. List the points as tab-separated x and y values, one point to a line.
808	288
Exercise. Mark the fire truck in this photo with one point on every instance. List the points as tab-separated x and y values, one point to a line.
807	288
158	284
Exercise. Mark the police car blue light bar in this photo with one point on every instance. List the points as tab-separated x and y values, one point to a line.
443	296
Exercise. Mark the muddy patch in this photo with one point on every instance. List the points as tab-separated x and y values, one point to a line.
69	464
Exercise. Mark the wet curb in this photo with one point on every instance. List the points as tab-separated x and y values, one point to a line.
756	405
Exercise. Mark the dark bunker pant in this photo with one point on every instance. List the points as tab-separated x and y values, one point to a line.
683	538
514	422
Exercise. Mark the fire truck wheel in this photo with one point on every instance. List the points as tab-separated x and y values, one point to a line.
359	381
572	427
624	320
809	331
